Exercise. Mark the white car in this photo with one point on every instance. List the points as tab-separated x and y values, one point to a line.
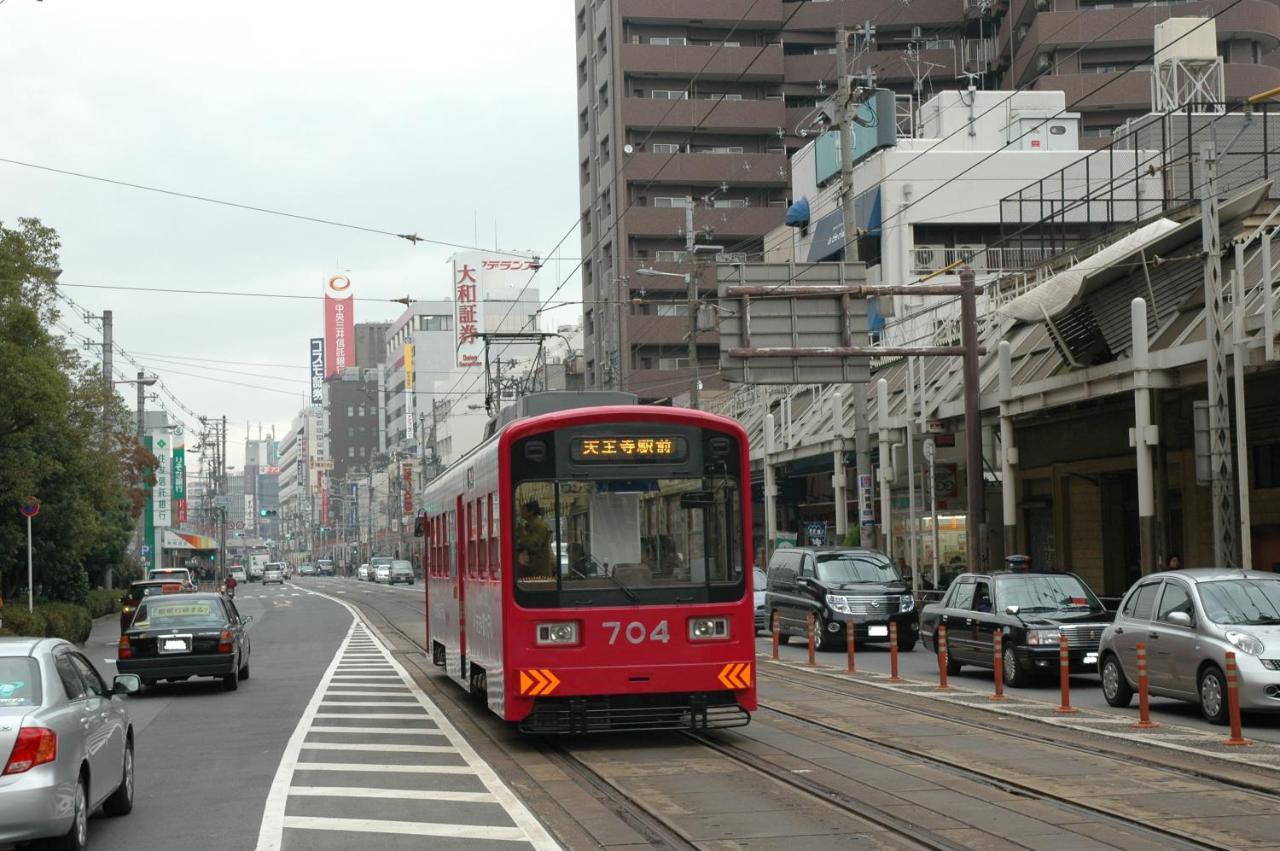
362	573
382	573
273	572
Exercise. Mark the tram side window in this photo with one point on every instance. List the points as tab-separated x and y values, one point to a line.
495	532
451	533
469	547
482	547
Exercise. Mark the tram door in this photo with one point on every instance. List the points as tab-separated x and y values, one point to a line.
461	537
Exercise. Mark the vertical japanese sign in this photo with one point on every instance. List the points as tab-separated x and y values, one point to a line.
409	395
179	477
406	472
250	514
467	321
324	499
317	373
355	504
162	493
339	318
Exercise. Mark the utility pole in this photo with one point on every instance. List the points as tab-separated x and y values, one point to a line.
975	522
1225	550
691	279
861	428
107	346
142	401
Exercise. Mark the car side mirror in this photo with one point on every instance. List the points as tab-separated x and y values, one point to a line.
126	684
1011	610
245	619
1179	619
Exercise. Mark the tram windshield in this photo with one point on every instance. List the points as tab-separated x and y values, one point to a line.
648	540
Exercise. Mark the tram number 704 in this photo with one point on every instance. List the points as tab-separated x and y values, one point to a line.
637	633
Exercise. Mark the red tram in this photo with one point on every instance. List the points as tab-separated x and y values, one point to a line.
588	569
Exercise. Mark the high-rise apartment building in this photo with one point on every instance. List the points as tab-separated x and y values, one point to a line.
702	101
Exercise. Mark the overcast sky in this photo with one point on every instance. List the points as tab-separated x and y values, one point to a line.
444	119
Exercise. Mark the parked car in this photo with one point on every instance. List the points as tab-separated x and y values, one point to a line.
400	571
238	574
362	573
273	572
835	584
1189	620
60	726
174	574
381	573
255	572
758	584
140	590
307	569
1032	610
184	636
324	567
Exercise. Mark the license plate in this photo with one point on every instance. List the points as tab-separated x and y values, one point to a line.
1091	658
174	645
877	630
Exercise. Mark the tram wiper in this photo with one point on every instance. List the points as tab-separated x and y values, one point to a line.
625	589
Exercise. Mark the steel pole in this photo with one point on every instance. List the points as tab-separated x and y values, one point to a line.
1008	452
142	401
912	549
886	466
1238	360
31	594
1142	441
972	418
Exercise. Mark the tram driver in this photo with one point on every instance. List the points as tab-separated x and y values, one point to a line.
533	543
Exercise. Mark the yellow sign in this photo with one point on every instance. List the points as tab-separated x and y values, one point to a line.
736	675
408	366
538	682
628	448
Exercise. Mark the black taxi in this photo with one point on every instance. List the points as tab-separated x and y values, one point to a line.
1032	610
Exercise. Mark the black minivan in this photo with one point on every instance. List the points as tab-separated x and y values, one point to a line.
835	584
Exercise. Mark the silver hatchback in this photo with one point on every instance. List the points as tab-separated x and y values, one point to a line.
67	740
1189	620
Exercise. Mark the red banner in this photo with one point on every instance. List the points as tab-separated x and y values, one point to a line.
324	501
180	511
406	472
339	320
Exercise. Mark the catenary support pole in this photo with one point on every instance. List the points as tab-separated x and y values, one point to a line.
972	419
108	348
839	476
142	402
31	576
912	550
1239	357
1008	452
1143	439
770	491
691	284
886	466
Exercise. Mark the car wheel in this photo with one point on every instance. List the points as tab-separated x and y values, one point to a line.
822	639
244	670
1115	688
953	664
231	681
121	801
77	838
1213	695
906	641
1014	674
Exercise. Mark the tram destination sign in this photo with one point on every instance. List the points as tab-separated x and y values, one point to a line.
628	449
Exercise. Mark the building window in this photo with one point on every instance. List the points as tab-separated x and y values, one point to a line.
731	203
670	40
722	149
604	94
668	94
1266	465
669	202
351	411
671	309
351	452
721	96
602	43
664	148
667	256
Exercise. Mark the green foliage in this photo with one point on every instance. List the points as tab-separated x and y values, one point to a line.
18	621
104	602
852	538
64	436
66	620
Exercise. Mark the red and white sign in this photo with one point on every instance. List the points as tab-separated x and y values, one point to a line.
406	472
339	319
467	318
492	291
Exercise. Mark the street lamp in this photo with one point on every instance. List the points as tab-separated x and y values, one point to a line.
693	320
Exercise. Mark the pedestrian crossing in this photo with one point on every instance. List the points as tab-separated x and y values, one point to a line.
373	763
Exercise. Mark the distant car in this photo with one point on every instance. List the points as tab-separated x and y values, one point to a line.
400	571
382	573
255	572
307	569
1031	609
60	726
375	561
835	585
174	574
324	567
1189	620
238	574
758	583
187	635
362	573
138	591
273	572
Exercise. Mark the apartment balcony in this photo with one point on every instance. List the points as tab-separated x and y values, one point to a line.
744	64
743	14
926	259
1132	91
736	223
754	170
712	116
825	17
891	65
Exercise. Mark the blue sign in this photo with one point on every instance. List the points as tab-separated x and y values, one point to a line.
816	533
146	549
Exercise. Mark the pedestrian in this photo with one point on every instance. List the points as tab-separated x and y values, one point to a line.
1173	562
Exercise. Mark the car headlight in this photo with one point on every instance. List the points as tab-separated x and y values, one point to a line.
838	603
1246	642
906	603
1042	637
706	629
557	633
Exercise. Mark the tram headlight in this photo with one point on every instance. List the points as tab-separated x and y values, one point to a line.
557	633
708	629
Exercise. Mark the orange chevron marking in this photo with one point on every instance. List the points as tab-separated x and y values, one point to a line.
525	682
538	682
736	675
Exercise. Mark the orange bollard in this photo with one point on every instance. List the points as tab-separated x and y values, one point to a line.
1064	675
941	636
813	663
848	644
893	653
1144	699
777	635
1233	701
997	649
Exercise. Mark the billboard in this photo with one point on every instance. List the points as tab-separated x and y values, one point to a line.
162	492
179	477
492	291
406	472
339	319
409	394
317	365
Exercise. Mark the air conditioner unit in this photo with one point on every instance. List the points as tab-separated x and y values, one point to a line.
929	258
1044	62
973	255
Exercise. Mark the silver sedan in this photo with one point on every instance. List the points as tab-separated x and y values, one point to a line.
67	740
1189	620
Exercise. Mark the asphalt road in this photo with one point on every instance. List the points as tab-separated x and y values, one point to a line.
206	758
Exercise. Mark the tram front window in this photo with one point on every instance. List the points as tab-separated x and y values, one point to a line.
632	537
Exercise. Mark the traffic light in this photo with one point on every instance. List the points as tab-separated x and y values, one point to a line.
267	512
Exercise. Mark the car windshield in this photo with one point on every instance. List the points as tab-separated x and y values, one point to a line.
1047	593
1241	601
402	567
856	567
161	614
19	681
148	590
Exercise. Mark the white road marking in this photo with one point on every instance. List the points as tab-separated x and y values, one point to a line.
365	677
388	748
389	716
402	794
385	767
410	828
389	689
328	702
381	731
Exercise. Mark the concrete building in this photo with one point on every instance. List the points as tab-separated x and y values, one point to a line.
703	100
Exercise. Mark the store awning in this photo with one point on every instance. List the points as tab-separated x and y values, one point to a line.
828	231
171	540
